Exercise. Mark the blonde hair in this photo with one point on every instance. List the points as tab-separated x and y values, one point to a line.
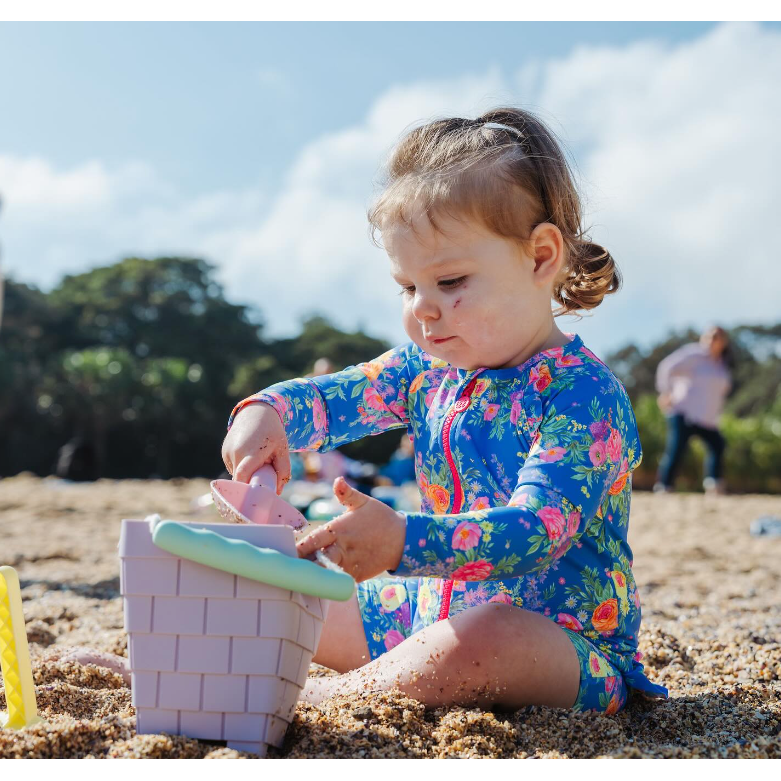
510	179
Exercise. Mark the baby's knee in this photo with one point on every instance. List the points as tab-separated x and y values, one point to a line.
480	628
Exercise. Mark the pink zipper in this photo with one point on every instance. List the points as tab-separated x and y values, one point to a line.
458	493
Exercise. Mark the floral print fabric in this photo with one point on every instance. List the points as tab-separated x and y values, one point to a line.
388	604
525	479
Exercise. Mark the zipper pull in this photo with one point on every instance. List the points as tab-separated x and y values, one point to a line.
465	399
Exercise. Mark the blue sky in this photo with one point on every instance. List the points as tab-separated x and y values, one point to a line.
212	105
255	145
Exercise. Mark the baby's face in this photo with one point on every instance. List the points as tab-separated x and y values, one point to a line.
470	297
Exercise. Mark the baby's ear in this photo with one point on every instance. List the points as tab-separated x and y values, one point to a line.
546	247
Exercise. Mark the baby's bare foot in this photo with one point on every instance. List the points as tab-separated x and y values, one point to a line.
85	656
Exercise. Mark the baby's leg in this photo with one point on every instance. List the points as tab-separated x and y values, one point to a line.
487	655
343	643
86	655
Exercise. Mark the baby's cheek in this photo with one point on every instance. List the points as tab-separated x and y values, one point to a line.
411	325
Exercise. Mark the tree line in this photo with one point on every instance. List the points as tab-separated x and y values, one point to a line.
140	362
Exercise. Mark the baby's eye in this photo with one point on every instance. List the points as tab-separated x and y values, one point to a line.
449	284
410	289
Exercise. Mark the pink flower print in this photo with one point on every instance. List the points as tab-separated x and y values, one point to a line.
598	453
599	429
591	355
502	598
280	404
491	411
518	500
473	570
573	521
421	543
570	622
553	521
540	376
515	412
568	360
614	445
393	638
638	656
318	415
481	386
430	396
481	503
552	454
373	400
459	585
397	408
466	536
610	683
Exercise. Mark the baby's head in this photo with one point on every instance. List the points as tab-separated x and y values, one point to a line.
482	224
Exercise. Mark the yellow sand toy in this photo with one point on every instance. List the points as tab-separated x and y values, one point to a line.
15	656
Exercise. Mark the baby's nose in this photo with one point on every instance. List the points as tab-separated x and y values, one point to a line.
424	308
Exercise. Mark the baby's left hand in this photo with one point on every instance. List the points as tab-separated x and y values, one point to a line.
365	540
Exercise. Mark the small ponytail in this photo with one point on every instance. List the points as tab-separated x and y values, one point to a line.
590	275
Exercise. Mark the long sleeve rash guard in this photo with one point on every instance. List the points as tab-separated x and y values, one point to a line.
524	475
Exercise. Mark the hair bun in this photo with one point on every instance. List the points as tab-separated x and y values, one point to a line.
591	274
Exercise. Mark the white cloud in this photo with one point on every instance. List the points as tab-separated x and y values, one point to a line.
676	145
682	168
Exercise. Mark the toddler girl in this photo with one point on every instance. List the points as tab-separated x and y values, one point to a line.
513	585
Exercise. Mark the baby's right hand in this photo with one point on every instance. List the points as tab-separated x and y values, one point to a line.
257	437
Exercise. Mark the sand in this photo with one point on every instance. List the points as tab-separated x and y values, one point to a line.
712	634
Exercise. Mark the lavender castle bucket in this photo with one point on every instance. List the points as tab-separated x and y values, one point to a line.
222	623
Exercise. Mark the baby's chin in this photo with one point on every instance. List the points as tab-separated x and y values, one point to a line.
449	357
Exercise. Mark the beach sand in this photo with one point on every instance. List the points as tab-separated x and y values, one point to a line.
711	633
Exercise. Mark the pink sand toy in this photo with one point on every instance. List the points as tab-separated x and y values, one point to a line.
255	503
222	622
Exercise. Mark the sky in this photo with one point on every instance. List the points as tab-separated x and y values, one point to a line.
259	147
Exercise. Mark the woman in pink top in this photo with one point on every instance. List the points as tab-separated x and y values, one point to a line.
693	384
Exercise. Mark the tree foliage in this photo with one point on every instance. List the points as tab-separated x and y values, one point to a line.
143	360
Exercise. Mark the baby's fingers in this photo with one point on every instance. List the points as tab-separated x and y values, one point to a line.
316	540
281	465
247	467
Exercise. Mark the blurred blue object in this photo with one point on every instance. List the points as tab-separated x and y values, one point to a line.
767	525
400	469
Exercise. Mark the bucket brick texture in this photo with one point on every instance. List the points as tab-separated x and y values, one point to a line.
213	655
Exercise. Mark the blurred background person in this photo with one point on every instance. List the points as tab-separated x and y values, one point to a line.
693	383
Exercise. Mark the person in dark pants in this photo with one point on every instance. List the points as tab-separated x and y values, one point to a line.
693	383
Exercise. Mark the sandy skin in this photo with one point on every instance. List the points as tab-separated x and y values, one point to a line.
488	655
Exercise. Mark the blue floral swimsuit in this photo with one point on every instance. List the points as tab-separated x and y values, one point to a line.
525	479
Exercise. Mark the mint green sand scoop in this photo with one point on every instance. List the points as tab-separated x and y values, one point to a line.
242	558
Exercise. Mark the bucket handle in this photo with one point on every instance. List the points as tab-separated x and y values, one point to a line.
265	565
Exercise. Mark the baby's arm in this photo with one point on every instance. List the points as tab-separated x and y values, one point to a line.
322	413
586	446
